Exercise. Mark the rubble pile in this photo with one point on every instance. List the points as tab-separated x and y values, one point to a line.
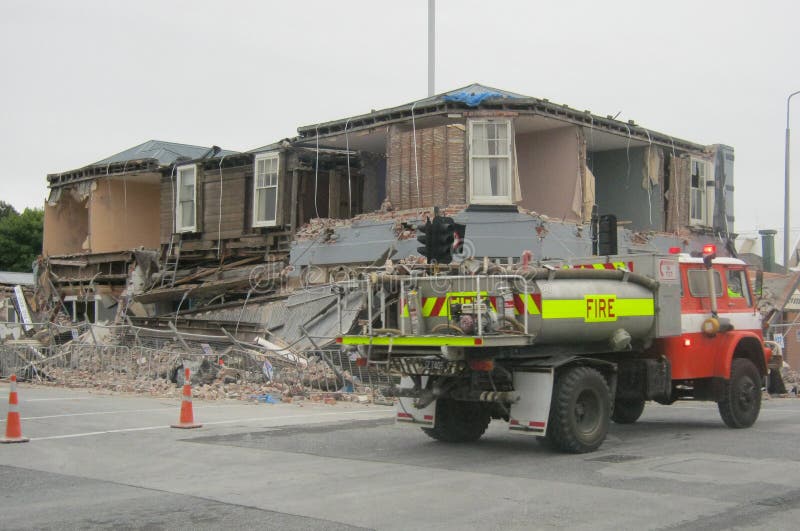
404	220
791	380
241	374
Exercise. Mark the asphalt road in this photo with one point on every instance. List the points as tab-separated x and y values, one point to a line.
103	461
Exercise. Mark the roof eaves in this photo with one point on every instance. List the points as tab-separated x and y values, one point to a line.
437	105
109	166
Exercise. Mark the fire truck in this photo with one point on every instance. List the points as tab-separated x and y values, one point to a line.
557	348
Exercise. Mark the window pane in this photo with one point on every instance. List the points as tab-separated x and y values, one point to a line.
266	204
480	177
498	147
698	283
271	206
490	177
501	132
499	172
737	286
479	146
697	206
187	177
745	287
187	214
260	205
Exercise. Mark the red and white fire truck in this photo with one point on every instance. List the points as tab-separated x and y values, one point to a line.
561	348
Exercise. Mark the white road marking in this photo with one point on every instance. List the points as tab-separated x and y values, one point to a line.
89	413
56	399
233	421
712	407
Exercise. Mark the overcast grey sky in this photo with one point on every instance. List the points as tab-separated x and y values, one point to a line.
82	79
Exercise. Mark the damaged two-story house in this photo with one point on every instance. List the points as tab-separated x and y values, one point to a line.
221	215
100	221
234	233
526	174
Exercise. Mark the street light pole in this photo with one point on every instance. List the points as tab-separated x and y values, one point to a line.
431	47
787	235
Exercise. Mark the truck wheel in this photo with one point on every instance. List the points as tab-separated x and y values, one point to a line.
458	421
627	411
741	395
580	411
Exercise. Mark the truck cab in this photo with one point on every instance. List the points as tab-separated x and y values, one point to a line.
720	353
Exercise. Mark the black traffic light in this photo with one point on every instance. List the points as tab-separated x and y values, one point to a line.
444	234
425	237
437	237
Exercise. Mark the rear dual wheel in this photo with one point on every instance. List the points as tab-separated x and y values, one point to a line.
458	421
627	410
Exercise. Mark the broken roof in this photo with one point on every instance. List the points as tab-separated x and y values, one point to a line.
148	156
481	97
166	153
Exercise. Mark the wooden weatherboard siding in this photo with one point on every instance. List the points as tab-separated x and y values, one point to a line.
233	199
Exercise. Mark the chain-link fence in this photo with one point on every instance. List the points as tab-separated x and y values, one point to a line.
136	359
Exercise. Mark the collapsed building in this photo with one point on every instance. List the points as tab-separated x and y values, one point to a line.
102	229
245	244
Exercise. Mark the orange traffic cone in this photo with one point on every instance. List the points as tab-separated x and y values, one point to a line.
13	426
187	415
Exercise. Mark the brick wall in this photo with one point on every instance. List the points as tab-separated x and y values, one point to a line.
440	161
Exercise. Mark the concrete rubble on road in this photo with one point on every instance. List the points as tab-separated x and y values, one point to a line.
107	358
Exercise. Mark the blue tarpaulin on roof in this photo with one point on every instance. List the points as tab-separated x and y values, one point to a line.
472	99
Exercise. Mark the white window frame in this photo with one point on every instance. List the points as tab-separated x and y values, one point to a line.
492	199
700	194
260	157
179	227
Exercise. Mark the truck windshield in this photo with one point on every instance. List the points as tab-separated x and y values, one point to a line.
698	285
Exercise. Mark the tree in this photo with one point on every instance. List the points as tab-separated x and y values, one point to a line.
20	238
7	210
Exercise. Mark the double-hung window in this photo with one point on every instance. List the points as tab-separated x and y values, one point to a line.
186	201
490	161
698	204
265	211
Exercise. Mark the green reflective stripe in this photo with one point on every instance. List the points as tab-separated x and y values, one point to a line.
413	341
562	309
577	308
635	307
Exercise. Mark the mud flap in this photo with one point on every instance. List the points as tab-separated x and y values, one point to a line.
531	413
407	414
